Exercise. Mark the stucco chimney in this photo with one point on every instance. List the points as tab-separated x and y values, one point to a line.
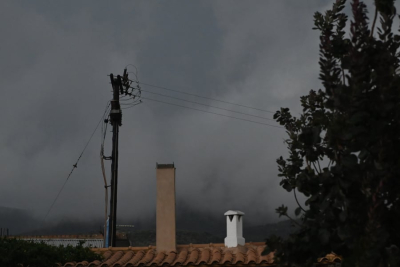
234	228
166	219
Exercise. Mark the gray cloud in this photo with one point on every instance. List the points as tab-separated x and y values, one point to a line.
55	60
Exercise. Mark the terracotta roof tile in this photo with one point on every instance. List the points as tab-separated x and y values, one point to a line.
125	258
148	257
216	255
251	256
113	259
204	256
228	257
181	257
169	259
186	255
107	255
240	258
192	259
135	259
158	259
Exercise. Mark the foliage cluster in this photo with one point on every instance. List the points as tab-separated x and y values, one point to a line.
14	252
344	149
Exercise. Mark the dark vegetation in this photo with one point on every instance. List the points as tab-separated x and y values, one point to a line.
344	148
15	252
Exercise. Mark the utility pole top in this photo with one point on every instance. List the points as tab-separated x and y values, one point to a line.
115	113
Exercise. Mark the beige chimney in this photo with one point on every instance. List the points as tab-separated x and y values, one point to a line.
166	219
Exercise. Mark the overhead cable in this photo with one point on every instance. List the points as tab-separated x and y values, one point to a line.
74	166
266	124
205	97
197	103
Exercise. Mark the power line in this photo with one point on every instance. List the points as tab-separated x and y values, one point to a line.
193	102
266	124
76	163
132	105
55	200
218	100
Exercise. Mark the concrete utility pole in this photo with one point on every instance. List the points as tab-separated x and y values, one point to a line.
115	120
121	86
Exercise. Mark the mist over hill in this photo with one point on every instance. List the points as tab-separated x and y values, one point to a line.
192	227
17	220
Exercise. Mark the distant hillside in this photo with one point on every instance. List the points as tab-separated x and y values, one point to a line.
16	220
142	238
67	227
193	227
251	234
146	237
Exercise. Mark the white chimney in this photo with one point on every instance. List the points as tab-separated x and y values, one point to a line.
234	228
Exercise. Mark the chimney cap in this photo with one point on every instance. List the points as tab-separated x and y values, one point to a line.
233	212
165	166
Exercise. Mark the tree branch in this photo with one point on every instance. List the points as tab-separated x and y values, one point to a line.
308	164
294	221
330	161
319	166
315	167
373	23
344	77
295	196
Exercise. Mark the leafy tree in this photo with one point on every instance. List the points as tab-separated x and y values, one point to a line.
14	252
344	149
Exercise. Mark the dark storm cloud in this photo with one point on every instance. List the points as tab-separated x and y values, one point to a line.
54	88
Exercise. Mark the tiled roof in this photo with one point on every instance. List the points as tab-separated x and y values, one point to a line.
186	255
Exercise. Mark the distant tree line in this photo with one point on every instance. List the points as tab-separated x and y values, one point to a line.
15	252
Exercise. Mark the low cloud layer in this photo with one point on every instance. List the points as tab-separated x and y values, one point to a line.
54	88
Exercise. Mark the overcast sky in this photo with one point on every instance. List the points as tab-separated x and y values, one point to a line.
55	58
